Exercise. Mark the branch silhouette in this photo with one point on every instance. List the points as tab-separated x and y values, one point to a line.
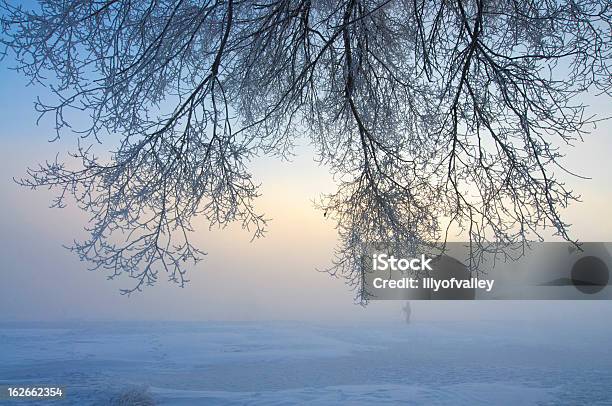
430	115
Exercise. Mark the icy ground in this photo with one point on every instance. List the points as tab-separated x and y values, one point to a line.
475	363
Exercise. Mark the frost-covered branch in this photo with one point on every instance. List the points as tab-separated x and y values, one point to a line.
430	115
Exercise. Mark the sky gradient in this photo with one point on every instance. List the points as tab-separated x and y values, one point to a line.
271	278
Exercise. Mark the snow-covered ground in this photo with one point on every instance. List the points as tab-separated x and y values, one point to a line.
473	363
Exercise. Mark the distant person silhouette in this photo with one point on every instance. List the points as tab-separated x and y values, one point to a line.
407	312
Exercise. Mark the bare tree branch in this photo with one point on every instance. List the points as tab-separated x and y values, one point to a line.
429	115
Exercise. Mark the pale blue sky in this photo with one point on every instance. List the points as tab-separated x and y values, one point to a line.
274	278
